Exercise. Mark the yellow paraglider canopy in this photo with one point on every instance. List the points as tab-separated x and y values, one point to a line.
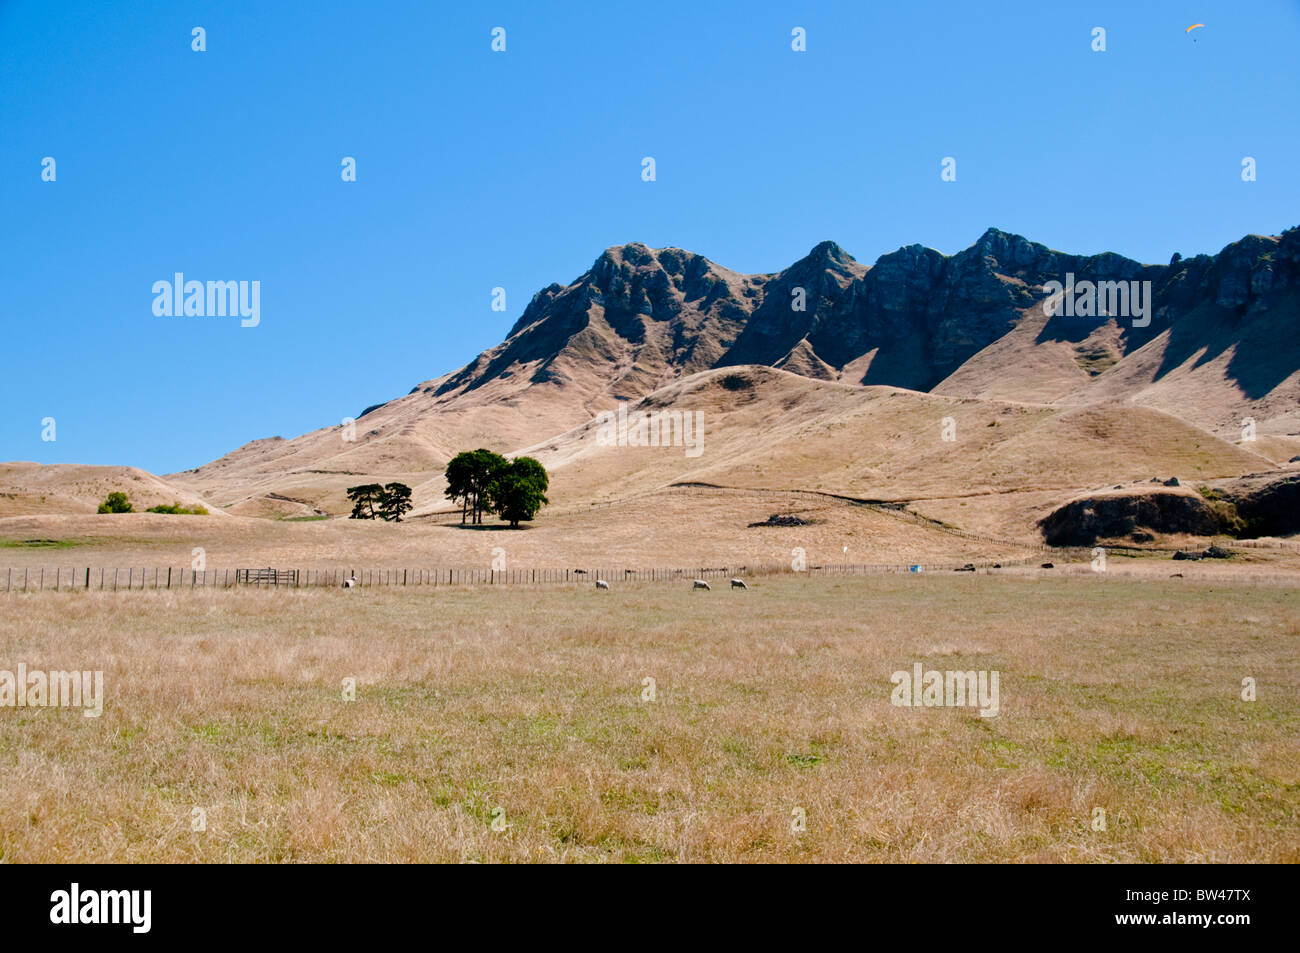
1193	27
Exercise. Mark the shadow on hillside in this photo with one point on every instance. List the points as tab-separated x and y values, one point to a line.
1265	343
486	527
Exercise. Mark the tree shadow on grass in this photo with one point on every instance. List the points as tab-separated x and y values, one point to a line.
486	527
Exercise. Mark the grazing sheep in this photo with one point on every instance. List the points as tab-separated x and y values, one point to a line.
738	584
700	584
601	584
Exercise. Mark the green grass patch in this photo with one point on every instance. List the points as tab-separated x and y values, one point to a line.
41	543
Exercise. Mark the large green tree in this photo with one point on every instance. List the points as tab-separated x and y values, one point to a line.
457	475
469	475
518	490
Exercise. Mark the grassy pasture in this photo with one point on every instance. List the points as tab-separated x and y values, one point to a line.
526	705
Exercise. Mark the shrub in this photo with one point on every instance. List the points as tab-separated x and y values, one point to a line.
177	510
116	503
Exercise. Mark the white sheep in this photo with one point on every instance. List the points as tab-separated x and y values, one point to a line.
738	584
601	584
701	584
349	583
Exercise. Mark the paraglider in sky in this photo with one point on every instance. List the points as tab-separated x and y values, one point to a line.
1194	26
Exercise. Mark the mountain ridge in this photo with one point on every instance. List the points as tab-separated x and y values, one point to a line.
1223	342
923	313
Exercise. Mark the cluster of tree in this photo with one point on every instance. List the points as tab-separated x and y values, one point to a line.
116	503
484	481
390	501
177	510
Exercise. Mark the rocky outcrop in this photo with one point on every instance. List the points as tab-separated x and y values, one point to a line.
1119	516
1268	504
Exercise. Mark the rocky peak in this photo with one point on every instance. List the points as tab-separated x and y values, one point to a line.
908	320
827	254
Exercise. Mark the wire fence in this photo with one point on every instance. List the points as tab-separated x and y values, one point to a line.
1282	544
117	579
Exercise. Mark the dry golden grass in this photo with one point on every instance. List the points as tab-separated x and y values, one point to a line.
680	527
64	488
765	430
1115	693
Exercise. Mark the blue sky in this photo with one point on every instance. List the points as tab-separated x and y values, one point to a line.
478	169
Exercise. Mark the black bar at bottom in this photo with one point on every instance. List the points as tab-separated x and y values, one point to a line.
948	907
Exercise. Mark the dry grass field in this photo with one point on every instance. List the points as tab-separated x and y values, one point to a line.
527	705
684	526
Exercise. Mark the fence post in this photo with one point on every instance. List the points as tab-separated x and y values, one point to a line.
115	572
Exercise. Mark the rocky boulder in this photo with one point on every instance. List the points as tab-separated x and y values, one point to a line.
1117	515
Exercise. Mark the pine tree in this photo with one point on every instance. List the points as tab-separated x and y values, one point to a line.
394	502
365	498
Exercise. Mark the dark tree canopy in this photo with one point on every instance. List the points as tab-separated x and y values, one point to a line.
518	490
389	502
365	498
469	475
484	481
395	502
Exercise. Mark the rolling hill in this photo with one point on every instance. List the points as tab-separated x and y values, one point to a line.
830	377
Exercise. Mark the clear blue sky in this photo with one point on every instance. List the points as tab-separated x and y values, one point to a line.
479	169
